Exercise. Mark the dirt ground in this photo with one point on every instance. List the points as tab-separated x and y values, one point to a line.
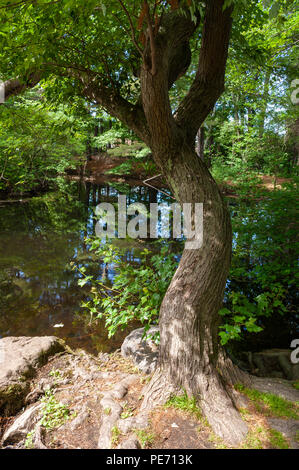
76	383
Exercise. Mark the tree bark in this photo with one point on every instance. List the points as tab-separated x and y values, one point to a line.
190	356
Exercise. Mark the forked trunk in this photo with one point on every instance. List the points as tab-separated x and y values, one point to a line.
190	356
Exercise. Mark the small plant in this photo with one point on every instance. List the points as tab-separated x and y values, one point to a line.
115	435
107	411
55	373
219	444
127	411
272	404
54	413
185	403
255	438
145	437
260	437
29	440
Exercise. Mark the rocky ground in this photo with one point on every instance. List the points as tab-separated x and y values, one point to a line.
52	397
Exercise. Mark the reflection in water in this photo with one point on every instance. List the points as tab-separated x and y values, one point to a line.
38	241
40	238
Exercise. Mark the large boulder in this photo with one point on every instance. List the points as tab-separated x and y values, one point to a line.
275	363
19	359
143	352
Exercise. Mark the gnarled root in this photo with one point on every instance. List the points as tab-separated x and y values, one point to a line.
158	390
217	400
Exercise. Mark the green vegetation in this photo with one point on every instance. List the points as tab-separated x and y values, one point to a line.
29	440
296	385
270	404
277	441
54	413
186	404
146	437
138	289
261	437
115	436
171	89
127	411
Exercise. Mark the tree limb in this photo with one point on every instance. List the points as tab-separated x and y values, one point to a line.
132	115
17	86
152	39
131	27
209	81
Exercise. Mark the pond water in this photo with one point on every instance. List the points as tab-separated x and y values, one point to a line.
39	238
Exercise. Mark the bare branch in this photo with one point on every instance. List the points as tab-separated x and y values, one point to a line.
131	27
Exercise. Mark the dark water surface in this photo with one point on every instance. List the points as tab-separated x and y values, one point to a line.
39	239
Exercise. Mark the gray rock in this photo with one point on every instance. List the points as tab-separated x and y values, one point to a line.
144	353
280	387
22	425
288	427
19	359
275	363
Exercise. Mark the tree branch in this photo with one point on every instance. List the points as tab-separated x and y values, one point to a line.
131	27
152	39
132	115
17	86
209	81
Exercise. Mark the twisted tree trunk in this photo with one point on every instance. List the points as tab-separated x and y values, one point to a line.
190	356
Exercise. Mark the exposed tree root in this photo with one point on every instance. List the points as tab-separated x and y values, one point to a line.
158	391
217	398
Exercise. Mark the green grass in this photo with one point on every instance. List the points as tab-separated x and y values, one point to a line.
146	437
277	440
296	384
274	404
261	437
185	403
115	435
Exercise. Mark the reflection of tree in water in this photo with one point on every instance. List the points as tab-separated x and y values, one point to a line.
38	241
